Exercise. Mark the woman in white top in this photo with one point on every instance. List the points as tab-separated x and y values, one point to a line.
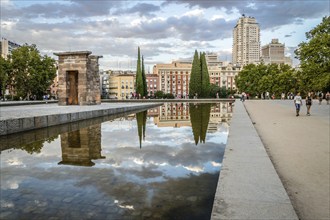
298	102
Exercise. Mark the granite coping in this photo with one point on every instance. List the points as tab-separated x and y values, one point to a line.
15	119
248	186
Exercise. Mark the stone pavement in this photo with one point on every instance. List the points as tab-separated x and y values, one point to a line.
15	119
249	187
299	148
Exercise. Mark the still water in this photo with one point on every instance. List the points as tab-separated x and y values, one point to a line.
162	163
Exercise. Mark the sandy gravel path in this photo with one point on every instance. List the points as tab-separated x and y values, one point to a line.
299	149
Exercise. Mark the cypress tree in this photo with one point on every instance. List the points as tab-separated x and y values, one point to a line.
144	78
139	79
205	85
195	77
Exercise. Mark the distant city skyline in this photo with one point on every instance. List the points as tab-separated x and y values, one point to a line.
164	30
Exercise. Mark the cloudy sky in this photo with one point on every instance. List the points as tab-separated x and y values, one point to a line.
165	30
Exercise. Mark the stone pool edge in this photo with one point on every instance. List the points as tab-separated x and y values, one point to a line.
248	185
16	125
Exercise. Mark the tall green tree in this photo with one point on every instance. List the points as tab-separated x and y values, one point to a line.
195	77
205	85
139	78
144	78
32	73
5	75
314	57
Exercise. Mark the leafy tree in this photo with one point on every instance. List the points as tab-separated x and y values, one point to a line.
139	77
33	73
168	96
144	78
214	89
5	75
272	78
195	76
314	57
205	85
159	94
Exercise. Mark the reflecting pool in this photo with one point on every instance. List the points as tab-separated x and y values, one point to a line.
162	163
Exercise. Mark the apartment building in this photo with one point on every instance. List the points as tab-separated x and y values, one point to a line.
152	84
122	84
224	76
174	78
274	53
7	47
246	41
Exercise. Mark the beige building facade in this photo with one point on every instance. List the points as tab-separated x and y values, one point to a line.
246	41
274	53
122	85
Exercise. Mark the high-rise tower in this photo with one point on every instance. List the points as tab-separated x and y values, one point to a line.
246	41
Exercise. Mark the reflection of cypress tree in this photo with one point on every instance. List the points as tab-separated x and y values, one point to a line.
206	109
141	119
199	117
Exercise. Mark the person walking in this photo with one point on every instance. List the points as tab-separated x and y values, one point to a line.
320	97
327	97
297	100
309	103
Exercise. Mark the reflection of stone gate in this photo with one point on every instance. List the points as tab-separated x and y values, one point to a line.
82	146
78	76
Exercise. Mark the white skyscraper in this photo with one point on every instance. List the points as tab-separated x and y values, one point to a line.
246	41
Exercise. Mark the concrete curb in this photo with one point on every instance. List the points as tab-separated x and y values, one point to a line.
248	186
25	123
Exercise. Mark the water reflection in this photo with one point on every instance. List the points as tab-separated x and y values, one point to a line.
106	176
82	146
200	117
141	119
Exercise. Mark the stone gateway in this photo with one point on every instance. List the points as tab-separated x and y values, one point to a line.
78	78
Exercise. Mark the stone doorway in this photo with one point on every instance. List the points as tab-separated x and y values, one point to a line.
72	87
78	78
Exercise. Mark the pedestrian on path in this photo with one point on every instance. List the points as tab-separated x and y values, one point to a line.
298	102
327	97
320	97
309	103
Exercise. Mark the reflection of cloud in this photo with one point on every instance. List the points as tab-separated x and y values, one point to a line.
14	162
194	169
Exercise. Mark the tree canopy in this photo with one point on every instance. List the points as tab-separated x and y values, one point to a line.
28	72
272	78
314	57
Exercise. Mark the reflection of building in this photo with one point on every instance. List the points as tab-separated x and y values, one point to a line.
7	47
246	41
178	115
82	146
174	78
274	53
221	113
173	115
122	84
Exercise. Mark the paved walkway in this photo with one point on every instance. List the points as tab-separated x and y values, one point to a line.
299	150
249	187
